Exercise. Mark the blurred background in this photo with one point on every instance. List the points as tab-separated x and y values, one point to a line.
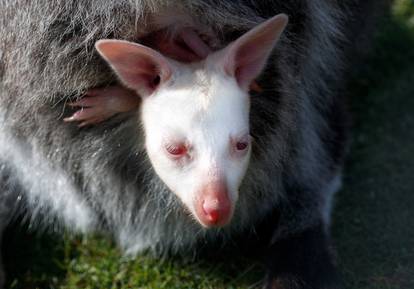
373	223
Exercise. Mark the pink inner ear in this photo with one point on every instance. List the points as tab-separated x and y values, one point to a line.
138	67
138	72
247	56
249	62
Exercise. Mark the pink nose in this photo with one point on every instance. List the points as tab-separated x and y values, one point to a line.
216	210
214	207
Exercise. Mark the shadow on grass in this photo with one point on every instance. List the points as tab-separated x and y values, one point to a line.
33	261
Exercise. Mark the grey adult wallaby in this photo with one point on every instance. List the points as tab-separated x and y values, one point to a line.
288	140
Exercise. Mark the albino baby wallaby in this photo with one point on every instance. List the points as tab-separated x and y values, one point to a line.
195	115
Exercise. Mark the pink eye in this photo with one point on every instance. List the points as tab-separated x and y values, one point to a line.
176	149
241	146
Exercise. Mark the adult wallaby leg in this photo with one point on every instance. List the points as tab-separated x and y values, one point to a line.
302	261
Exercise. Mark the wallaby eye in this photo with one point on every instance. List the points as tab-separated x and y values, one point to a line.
176	150
241	145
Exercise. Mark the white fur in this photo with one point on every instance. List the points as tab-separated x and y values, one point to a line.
205	108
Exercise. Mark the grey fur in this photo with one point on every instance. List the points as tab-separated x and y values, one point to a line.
103	174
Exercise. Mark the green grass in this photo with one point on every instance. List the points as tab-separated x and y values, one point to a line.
91	263
373	224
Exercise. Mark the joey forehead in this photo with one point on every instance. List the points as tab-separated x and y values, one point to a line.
198	99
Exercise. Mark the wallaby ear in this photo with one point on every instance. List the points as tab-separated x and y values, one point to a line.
137	66
246	57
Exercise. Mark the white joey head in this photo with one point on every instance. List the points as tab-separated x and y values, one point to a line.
196	115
